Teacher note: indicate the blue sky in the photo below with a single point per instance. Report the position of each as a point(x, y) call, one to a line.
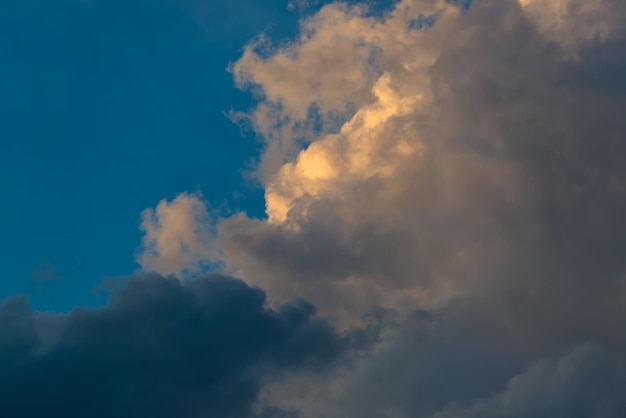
point(108, 107)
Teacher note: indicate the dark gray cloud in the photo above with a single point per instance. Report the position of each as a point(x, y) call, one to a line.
point(584, 383)
point(159, 349)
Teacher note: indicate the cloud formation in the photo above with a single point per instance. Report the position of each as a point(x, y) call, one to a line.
point(448, 176)
point(464, 157)
point(464, 163)
point(159, 349)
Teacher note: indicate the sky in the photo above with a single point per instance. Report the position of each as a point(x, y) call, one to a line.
point(108, 107)
point(313, 209)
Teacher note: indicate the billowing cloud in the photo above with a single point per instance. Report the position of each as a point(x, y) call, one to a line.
point(159, 349)
point(464, 164)
point(473, 151)
point(310, 86)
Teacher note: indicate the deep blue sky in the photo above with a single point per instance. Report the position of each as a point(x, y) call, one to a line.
point(106, 107)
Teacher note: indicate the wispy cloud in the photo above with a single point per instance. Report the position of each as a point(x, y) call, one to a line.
point(46, 272)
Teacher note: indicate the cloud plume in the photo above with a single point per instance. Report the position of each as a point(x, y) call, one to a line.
point(462, 161)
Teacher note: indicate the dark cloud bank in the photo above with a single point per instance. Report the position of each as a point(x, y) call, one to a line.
point(526, 173)
point(160, 349)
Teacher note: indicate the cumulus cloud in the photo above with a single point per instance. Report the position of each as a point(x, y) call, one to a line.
point(312, 84)
point(177, 236)
point(390, 206)
point(159, 349)
point(446, 156)
point(454, 171)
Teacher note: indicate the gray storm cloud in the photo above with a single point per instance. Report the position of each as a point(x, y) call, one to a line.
point(460, 169)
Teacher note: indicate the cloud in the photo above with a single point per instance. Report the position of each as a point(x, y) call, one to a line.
point(466, 360)
point(571, 22)
point(584, 383)
point(304, 96)
point(459, 157)
point(462, 179)
point(438, 370)
point(445, 193)
point(160, 348)
point(45, 273)
point(177, 236)
point(387, 206)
